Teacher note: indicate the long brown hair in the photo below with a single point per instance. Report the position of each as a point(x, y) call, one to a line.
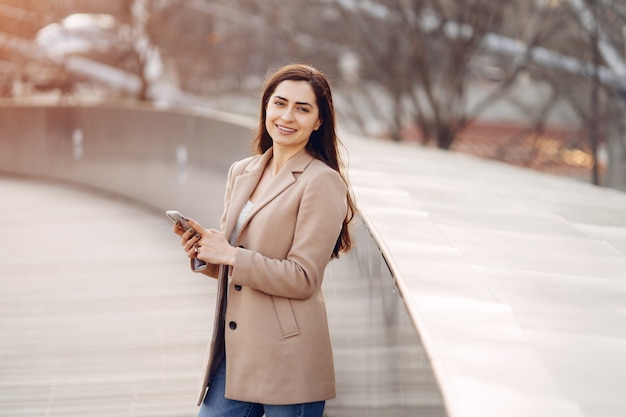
point(323, 143)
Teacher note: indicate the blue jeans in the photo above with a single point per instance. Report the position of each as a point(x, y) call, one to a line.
point(215, 405)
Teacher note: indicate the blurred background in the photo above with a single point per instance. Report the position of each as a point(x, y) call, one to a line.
point(535, 83)
point(519, 277)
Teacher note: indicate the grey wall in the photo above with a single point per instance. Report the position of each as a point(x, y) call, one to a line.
point(128, 151)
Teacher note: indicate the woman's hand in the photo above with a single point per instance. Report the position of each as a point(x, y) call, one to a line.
point(189, 238)
point(210, 246)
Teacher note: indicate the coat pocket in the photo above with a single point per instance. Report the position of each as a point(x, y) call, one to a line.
point(286, 318)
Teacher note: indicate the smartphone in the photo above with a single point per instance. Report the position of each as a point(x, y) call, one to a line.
point(175, 216)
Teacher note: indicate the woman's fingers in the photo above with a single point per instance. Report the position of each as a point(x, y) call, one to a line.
point(195, 225)
point(178, 229)
point(189, 238)
point(214, 248)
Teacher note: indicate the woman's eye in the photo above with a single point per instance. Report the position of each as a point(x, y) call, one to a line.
point(279, 103)
point(303, 109)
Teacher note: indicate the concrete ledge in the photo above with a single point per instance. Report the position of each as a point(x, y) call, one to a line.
point(159, 157)
point(515, 280)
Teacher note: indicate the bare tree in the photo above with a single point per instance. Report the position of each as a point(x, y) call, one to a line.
point(421, 53)
point(139, 48)
point(399, 62)
point(603, 22)
point(595, 35)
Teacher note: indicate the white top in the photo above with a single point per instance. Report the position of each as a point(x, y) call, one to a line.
point(242, 217)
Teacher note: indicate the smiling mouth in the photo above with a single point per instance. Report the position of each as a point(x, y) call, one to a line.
point(285, 129)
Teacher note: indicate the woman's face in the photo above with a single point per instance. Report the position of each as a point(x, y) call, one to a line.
point(292, 115)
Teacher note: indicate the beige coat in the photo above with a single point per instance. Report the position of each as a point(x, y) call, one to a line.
point(275, 329)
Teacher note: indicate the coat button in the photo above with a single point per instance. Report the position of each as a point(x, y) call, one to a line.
point(238, 287)
point(232, 325)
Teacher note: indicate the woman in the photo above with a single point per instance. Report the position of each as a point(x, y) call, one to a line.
point(286, 215)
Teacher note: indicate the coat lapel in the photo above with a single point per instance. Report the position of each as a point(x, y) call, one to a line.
point(243, 187)
point(285, 178)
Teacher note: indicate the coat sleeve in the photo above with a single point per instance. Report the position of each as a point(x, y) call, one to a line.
point(321, 213)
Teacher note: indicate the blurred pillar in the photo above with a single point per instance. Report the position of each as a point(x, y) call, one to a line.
point(616, 143)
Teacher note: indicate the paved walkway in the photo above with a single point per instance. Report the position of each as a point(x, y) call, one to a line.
point(99, 316)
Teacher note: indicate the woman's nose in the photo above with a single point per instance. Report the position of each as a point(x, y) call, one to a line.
point(287, 115)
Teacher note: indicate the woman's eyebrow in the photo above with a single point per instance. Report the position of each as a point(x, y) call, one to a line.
point(302, 103)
